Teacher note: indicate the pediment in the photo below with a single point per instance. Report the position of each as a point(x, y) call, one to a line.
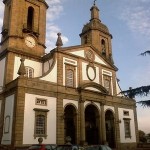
point(88, 53)
point(93, 87)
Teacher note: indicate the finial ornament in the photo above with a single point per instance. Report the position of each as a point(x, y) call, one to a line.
point(59, 40)
point(22, 70)
point(94, 2)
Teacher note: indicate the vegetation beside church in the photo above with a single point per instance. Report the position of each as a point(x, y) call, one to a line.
point(143, 91)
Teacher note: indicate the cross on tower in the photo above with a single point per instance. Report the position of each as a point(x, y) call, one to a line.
point(94, 2)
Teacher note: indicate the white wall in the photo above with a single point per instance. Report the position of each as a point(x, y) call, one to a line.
point(52, 76)
point(132, 123)
point(67, 101)
point(109, 107)
point(47, 65)
point(118, 89)
point(89, 102)
point(29, 119)
point(84, 73)
point(99, 60)
point(9, 110)
point(2, 72)
point(78, 53)
point(33, 64)
point(0, 106)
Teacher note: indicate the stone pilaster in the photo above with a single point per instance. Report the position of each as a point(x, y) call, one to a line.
point(82, 121)
point(103, 128)
point(117, 129)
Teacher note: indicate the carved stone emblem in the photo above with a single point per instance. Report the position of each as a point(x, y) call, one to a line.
point(89, 55)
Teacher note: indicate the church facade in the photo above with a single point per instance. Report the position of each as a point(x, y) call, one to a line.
point(71, 91)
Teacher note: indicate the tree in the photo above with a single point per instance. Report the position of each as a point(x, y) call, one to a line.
point(146, 52)
point(142, 137)
point(139, 91)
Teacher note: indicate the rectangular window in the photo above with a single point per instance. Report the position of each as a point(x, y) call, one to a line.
point(126, 113)
point(127, 128)
point(40, 122)
point(70, 76)
point(107, 83)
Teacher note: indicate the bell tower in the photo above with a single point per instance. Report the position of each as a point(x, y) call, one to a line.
point(24, 27)
point(97, 34)
point(23, 33)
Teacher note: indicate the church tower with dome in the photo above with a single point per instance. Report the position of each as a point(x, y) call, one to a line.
point(71, 91)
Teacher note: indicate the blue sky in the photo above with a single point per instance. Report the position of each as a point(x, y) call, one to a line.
point(129, 23)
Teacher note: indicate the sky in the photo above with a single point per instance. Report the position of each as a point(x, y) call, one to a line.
point(128, 22)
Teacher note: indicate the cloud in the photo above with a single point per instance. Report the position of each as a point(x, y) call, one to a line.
point(51, 37)
point(1, 14)
point(53, 13)
point(137, 17)
point(143, 118)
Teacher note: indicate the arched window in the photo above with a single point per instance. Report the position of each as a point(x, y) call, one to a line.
point(29, 72)
point(103, 46)
point(7, 124)
point(30, 18)
point(69, 77)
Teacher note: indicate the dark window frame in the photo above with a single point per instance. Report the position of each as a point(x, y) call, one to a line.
point(38, 125)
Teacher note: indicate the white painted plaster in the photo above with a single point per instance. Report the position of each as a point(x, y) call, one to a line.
point(118, 89)
point(91, 102)
point(132, 127)
point(99, 60)
point(92, 89)
point(9, 110)
point(52, 76)
point(29, 118)
point(108, 107)
point(91, 73)
point(67, 101)
point(108, 73)
point(71, 62)
point(78, 53)
point(2, 72)
point(0, 107)
point(47, 65)
point(33, 64)
point(84, 73)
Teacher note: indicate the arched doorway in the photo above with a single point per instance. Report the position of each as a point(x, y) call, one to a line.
point(70, 120)
point(92, 125)
point(110, 128)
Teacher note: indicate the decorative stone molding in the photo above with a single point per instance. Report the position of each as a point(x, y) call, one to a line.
point(91, 72)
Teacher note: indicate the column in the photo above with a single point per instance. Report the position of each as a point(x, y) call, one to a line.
point(82, 122)
point(103, 128)
point(117, 128)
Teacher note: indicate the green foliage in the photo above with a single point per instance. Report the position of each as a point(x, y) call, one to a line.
point(146, 52)
point(139, 91)
point(142, 137)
